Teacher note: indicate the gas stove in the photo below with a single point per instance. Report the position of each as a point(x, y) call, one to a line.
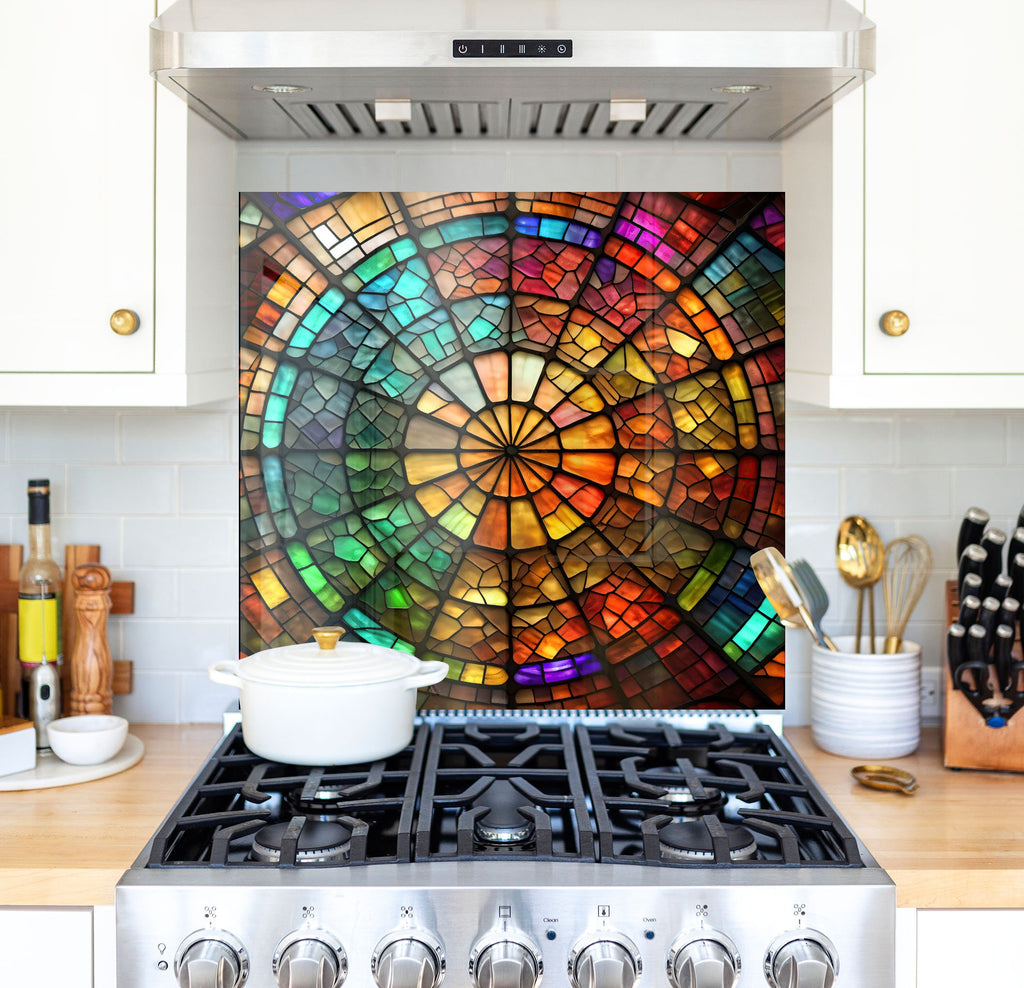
point(497, 851)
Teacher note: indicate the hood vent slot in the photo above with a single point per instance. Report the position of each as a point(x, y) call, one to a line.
point(574, 119)
point(582, 119)
point(354, 119)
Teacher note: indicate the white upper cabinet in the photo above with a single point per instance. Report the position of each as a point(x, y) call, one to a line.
point(96, 221)
point(904, 199)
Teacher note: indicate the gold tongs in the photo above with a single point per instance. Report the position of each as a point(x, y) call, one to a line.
point(885, 777)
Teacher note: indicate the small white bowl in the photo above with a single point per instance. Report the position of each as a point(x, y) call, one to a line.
point(87, 739)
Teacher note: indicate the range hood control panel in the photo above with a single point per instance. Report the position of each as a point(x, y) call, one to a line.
point(512, 48)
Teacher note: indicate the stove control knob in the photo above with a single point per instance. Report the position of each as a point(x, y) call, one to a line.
point(310, 959)
point(408, 959)
point(707, 960)
point(211, 959)
point(505, 960)
point(801, 959)
point(606, 960)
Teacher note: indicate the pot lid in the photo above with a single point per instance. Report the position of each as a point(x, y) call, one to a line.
point(328, 662)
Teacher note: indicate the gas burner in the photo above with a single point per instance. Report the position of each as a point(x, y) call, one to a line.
point(326, 803)
point(502, 824)
point(318, 843)
point(691, 841)
point(682, 801)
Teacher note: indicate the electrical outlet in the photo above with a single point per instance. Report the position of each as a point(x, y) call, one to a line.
point(931, 694)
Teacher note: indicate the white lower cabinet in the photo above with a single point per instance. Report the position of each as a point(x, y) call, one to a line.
point(969, 947)
point(48, 946)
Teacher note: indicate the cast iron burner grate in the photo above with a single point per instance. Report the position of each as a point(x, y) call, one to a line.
point(505, 790)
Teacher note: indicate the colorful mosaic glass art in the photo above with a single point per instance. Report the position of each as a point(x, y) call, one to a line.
point(535, 435)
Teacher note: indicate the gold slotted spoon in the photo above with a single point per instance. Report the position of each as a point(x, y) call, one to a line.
point(860, 559)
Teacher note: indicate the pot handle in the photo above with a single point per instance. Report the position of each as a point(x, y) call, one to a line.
point(429, 673)
point(224, 673)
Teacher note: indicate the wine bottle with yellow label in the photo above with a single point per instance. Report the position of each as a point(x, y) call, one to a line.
point(39, 590)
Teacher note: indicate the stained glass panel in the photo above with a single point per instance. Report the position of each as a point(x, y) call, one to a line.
point(535, 435)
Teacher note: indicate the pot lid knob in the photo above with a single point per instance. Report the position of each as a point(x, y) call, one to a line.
point(327, 638)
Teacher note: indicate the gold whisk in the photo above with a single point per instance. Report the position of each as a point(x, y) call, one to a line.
point(908, 564)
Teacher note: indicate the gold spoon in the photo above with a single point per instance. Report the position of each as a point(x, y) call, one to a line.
point(860, 559)
point(775, 577)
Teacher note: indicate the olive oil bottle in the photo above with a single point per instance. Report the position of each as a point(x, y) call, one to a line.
point(39, 593)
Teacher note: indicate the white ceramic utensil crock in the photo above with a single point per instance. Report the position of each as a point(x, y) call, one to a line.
point(327, 702)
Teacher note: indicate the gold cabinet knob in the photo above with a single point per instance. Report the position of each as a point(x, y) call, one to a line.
point(124, 322)
point(895, 323)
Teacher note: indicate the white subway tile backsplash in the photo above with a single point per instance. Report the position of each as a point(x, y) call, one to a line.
point(999, 490)
point(209, 490)
point(850, 439)
point(101, 530)
point(211, 593)
point(119, 489)
point(176, 437)
point(897, 493)
point(14, 478)
point(69, 437)
point(156, 592)
point(811, 492)
point(179, 542)
point(179, 645)
point(961, 439)
point(203, 701)
point(155, 698)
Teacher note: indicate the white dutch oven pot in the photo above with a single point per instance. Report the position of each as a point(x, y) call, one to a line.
point(325, 702)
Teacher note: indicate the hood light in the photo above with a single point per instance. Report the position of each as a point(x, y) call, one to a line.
point(741, 89)
point(279, 90)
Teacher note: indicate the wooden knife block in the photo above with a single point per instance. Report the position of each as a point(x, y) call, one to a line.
point(122, 596)
point(967, 741)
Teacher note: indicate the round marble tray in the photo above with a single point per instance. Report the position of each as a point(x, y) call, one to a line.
point(50, 771)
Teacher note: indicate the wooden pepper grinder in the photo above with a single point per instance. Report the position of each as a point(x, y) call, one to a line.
point(92, 670)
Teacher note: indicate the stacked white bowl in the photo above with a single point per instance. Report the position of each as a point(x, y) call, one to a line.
point(866, 705)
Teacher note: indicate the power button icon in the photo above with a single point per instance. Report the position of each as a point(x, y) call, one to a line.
point(463, 49)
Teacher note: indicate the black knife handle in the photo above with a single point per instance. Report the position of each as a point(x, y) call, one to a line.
point(1001, 657)
point(977, 662)
point(1001, 586)
point(1009, 612)
point(971, 587)
point(955, 651)
point(1015, 545)
point(970, 608)
point(1016, 570)
point(972, 560)
point(988, 618)
point(973, 524)
point(993, 542)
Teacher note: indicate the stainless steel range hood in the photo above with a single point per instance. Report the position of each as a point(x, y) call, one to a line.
point(405, 69)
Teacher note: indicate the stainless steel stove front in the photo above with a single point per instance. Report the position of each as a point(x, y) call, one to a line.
point(486, 925)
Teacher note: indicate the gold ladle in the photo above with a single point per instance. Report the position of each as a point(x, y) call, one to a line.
point(776, 579)
point(860, 559)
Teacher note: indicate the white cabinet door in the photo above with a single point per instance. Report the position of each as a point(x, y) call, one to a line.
point(99, 216)
point(903, 198)
point(44, 946)
point(969, 947)
point(77, 240)
point(943, 218)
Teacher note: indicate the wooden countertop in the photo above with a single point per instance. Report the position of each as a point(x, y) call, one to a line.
point(957, 843)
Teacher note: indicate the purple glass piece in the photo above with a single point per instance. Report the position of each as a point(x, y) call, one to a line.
point(287, 204)
point(605, 269)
